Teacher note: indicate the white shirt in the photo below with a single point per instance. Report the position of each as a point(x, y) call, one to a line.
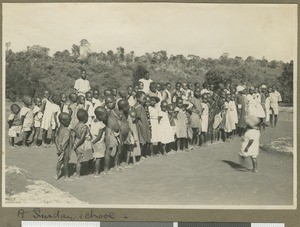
point(82, 86)
point(146, 84)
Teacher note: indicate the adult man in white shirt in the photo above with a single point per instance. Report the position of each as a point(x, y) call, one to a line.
point(146, 81)
point(275, 97)
point(82, 85)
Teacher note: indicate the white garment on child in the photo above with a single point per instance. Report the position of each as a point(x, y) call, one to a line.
point(204, 117)
point(55, 110)
point(166, 131)
point(99, 147)
point(253, 151)
point(82, 86)
point(28, 118)
point(154, 113)
point(38, 116)
point(46, 122)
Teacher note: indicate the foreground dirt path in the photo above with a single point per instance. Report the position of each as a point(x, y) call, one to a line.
point(204, 176)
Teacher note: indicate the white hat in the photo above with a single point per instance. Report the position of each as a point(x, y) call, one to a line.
point(263, 86)
point(240, 88)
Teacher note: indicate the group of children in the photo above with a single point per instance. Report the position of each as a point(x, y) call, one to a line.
point(132, 124)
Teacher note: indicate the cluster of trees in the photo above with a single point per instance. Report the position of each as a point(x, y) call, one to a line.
point(34, 70)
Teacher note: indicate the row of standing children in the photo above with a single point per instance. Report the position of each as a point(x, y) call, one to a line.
point(157, 123)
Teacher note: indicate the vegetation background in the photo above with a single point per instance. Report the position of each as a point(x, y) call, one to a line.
point(32, 71)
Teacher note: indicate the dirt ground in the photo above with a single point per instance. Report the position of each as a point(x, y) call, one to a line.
point(210, 175)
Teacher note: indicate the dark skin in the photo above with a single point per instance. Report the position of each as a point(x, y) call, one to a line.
point(65, 120)
point(16, 110)
point(101, 115)
point(81, 140)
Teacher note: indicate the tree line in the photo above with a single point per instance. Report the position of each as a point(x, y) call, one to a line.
point(32, 71)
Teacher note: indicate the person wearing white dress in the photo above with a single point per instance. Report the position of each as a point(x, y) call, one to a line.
point(146, 81)
point(259, 112)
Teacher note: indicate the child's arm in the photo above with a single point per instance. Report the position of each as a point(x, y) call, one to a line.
point(55, 119)
point(100, 134)
point(57, 145)
point(248, 145)
point(82, 139)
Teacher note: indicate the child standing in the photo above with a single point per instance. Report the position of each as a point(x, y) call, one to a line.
point(82, 141)
point(63, 145)
point(194, 122)
point(98, 128)
point(154, 113)
point(135, 148)
point(38, 116)
point(26, 116)
point(165, 129)
point(142, 124)
point(14, 124)
point(46, 109)
point(250, 144)
point(181, 122)
point(204, 120)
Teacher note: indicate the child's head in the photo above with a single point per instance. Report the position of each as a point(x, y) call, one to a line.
point(110, 102)
point(37, 102)
point(252, 121)
point(88, 96)
point(158, 87)
point(64, 119)
point(123, 105)
point(73, 97)
point(232, 97)
point(55, 99)
point(140, 97)
point(179, 102)
point(164, 105)
point(81, 100)
point(46, 94)
point(190, 86)
point(196, 85)
point(178, 86)
point(184, 86)
point(63, 97)
point(114, 92)
point(197, 92)
point(136, 88)
point(107, 92)
point(123, 93)
point(228, 98)
point(171, 108)
point(147, 101)
point(27, 100)
point(15, 108)
point(212, 87)
point(168, 86)
point(141, 85)
point(83, 74)
point(96, 94)
point(101, 113)
point(82, 115)
point(153, 100)
point(152, 87)
point(130, 90)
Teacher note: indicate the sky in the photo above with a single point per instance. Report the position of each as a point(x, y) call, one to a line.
point(206, 30)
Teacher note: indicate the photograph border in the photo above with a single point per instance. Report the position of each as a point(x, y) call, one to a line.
point(178, 213)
